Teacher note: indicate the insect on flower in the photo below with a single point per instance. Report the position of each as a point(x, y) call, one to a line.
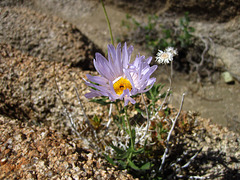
point(120, 79)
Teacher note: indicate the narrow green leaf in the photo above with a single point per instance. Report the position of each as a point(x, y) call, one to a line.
point(146, 166)
point(132, 165)
point(137, 107)
point(133, 135)
point(148, 94)
point(102, 101)
point(138, 151)
point(125, 155)
point(117, 149)
point(122, 164)
point(110, 160)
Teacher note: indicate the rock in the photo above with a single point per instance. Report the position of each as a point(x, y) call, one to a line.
point(227, 77)
point(32, 148)
point(224, 41)
point(29, 93)
point(46, 37)
point(230, 58)
point(48, 157)
point(204, 9)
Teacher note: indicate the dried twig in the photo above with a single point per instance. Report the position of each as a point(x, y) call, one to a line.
point(65, 108)
point(191, 159)
point(109, 119)
point(85, 116)
point(159, 109)
point(73, 126)
point(204, 51)
point(189, 162)
point(169, 134)
point(109, 115)
point(192, 177)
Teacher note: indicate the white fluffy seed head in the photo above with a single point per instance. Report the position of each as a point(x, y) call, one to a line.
point(165, 57)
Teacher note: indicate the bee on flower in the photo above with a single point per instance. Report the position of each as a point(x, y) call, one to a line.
point(165, 57)
point(120, 79)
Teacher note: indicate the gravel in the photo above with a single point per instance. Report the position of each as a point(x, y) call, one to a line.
point(39, 152)
point(36, 141)
point(46, 37)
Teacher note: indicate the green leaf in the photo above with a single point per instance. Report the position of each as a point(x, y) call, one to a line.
point(96, 119)
point(133, 135)
point(167, 111)
point(121, 154)
point(125, 155)
point(102, 101)
point(110, 160)
point(148, 94)
point(191, 29)
point(135, 22)
point(137, 107)
point(117, 149)
point(133, 166)
point(122, 164)
point(146, 166)
point(128, 16)
point(138, 151)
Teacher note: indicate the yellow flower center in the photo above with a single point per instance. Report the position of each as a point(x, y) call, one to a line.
point(122, 84)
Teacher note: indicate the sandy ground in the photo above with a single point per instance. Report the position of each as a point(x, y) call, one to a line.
point(219, 101)
point(36, 126)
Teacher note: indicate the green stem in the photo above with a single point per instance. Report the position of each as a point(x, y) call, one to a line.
point(129, 128)
point(171, 74)
point(108, 22)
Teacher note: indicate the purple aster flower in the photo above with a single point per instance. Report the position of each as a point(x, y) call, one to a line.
point(119, 78)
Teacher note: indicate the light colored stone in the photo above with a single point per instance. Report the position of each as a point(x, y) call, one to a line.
point(227, 77)
point(230, 58)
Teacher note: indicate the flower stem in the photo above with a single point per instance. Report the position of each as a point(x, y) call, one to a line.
point(148, 121)
point(108, 22)
point(129, 128)
point(171, 74)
